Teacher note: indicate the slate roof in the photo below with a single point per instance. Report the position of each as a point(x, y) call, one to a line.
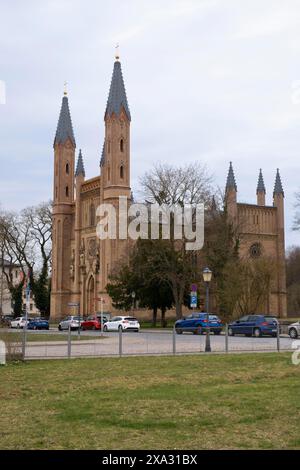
point(260, 185)
point(278, 185)
point(80, 166)
point(117, 93)
point(230, 183)
point(64, 127)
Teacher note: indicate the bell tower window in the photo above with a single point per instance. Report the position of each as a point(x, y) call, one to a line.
point(122, 145)
point(67, 191)
point(67, 168)
point(121, 172)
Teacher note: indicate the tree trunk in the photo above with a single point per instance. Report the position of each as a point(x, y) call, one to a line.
point(163, 318)
point(154, 317)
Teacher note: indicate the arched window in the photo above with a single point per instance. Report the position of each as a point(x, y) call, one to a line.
point(121, 172)
point(67, 191)
point(92, 215)
point(108, 173)
point(67, 168)
point(122, 145)
point(108, 146)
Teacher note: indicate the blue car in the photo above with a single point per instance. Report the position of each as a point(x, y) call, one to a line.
point(196, 323)
point(38, 324)
point(254, 325)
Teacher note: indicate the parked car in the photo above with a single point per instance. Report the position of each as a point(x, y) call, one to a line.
point(294, 330)
point(91, 323)
point(18, 322)
point(254, 325)
point(6, 319)
point(38, 324)
point(197, 323)
point(70, 321)
point(122, 324)
point(105, 315)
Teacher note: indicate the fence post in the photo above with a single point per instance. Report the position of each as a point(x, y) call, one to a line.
point(69, 342)
point(278, 337)
point(226, 337)
point(120, 342)
point(174, 340)
point(24, 343)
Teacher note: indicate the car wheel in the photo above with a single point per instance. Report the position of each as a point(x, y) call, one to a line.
point(217, 332)
point(120, 328)
point(248, 335)
point(105, 328)
point(257, 332)
point(178, 331)
point(230, 332)
point(94, 328)
point(198, 331)
point(293, 333)
point(59, 327)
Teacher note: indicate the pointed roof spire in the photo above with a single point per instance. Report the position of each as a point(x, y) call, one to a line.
point(230, 183)
point(278, 185)
point(117, 93)
point(64, 129)
point(102, 159)
point(260, 185)
point(80, 166)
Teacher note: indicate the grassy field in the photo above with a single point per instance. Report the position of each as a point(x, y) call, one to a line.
point(191, 402)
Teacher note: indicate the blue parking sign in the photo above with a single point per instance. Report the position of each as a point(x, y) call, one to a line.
point(193, 303)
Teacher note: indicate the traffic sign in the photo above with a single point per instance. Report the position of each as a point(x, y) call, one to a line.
point(193, 300)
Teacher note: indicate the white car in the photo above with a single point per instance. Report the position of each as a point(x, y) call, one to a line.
point(72, 322)
point(294, 330)
point(19, 322)
point(122, 324)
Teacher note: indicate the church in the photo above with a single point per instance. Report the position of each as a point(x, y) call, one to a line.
point(81, 263)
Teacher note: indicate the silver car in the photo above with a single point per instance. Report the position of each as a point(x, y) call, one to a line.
point(294, 330)
point(69, 322)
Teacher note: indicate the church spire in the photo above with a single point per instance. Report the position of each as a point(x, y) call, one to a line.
point(261, 190)
point(64, 129)
point(230, 183)
point(278, 190)
point(80, 166)
point(117, 93)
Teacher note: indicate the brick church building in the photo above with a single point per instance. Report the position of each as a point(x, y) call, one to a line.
point(81, 262)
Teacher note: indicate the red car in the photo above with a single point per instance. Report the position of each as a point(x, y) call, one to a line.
point(91, 323)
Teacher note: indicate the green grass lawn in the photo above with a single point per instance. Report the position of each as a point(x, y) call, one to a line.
point(186, 402)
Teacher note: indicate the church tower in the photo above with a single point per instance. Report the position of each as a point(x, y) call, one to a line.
point(231, 195)
point(115, 160)
point(63, 207)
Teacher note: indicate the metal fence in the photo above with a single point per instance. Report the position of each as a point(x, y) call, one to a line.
point(146, 342)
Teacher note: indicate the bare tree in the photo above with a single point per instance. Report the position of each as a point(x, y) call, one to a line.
point(296, 225)
point(166, 184)
point(26, 242)
point(172, 186)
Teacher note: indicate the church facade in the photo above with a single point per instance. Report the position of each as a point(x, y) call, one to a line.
point(81, 263)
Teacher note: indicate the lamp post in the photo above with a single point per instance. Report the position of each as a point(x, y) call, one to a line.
point(133, 298)
point(207, 274)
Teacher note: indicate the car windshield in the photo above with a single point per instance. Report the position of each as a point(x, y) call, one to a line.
point(130, 319)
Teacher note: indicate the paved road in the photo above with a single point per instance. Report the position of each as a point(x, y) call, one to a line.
point(149, 342)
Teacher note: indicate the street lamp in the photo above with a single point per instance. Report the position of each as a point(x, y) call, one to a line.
point(133, 294)
point(207, 274)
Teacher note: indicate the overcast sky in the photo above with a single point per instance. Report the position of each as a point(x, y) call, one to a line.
point(206, 80)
